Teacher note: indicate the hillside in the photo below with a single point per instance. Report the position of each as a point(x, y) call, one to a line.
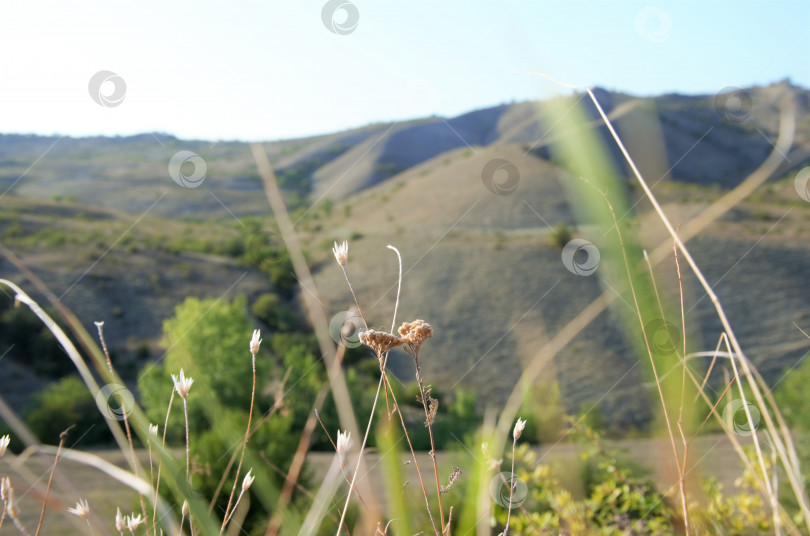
point(102, 222)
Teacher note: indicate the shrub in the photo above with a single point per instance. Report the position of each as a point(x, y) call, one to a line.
point(66, 403)
point(269, 309)
point(560, 235)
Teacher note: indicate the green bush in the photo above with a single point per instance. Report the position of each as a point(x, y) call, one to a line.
point(560, 235)
point(269, 309)
point(66, 403)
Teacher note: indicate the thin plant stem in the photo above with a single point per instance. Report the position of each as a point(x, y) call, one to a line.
point(244, 446)
point(62, 439)
point(264, 419)
point(399, 287)
point(342, 464)
point(357, 303)
point(626, 261)
point(233, 510)
point(100, 327)
point(429, 423)
point(160, 465)
point(413, 453)
point(511, 488)
point(360, 454)
point(188, 450)
point(718, 308)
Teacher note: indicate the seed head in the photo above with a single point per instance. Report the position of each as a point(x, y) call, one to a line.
point(5, 486)
point(344, 443)
point(341, 252)
point(255, 342)
point(133, 521)
point(248, 480)
point(182, 384)
point(185, 508)
point(519, 426)
point(120, 525)
point(153, 429)
point(11, 505)
point(4, 441)
point(416, 332)
point(379, 341)
point(82, 509)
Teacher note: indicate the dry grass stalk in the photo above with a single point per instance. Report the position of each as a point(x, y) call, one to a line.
point(414, 334)
point(255, 343)
point(100, 327)
point(62, 439)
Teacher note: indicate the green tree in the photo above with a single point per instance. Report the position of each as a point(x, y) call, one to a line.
point(209, 340)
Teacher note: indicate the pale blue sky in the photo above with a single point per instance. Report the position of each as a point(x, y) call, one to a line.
point(268, 70)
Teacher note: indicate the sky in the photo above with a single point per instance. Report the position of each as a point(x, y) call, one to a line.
point(246, 70)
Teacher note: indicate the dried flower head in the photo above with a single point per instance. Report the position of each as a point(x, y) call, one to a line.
point(453, 477)
point(11, 505)
point(519, 426)
point(4, 441)
point(341, 252)
point(415, 333)
point(82, 509)
point(120, 525)
point(255, 342)
point(182, 384)
point(379, 341)
point(248, 480)
point(133, 522)
point(5, 485)
point(344, 443)
point(153, 429)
